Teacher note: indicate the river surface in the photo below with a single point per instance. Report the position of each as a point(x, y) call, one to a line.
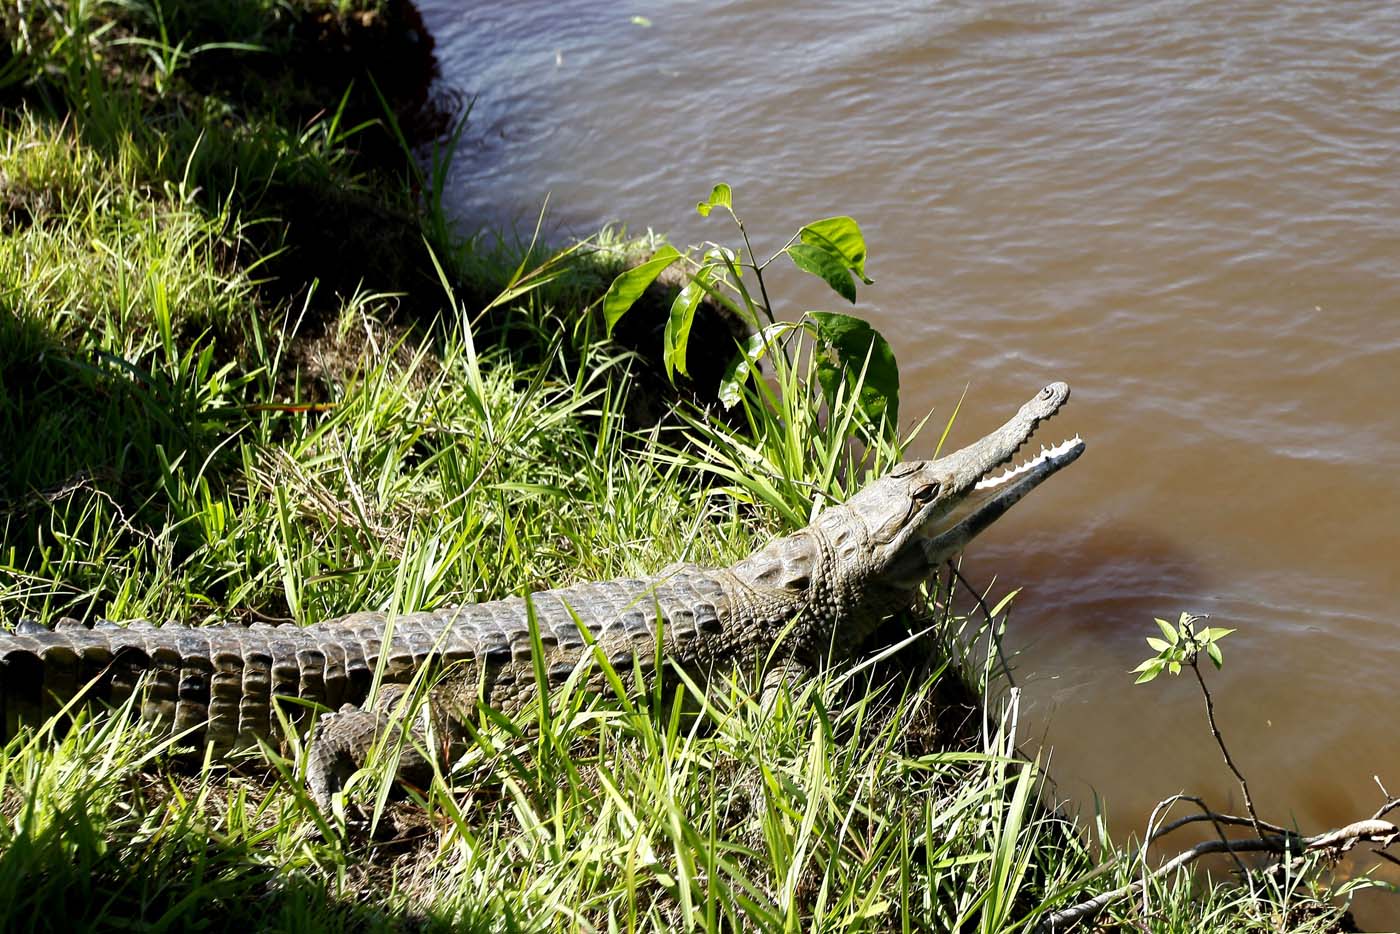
point(1188, 210)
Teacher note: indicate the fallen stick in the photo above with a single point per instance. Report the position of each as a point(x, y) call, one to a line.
point(1372, 830)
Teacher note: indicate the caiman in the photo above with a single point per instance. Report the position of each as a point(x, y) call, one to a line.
point(800, 601)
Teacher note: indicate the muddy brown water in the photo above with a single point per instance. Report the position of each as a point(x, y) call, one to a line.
point(1188, 210)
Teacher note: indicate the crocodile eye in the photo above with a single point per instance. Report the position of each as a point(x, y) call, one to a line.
point(925, 494)
point(1047, 392)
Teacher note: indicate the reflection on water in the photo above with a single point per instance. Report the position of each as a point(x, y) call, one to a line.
point(1188, 210)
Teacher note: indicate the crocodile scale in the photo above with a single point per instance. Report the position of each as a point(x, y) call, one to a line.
point(802, 599)
point(219, 681)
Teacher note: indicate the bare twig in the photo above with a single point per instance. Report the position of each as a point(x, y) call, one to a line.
point(1230, 819)
point(1216, 820)
point(1220, 741)
point(757, 269)
point(986, 612)
point(1334, 842)
point(1391, 801)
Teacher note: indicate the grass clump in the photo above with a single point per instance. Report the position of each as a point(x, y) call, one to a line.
point(238, 384)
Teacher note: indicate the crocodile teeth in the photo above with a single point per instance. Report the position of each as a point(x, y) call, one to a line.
point(1046, 454)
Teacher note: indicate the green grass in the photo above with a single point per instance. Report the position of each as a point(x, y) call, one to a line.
point(203, 418)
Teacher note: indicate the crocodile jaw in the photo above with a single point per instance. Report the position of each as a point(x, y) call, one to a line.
point(990, 499)
point(866, 557)
point(924, 512)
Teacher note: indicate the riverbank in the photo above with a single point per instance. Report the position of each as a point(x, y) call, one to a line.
point(250, 372)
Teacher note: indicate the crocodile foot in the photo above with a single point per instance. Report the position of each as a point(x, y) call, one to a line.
point(342, 746)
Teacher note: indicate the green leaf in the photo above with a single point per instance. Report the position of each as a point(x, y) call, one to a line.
point(1168, 630)
point(1175, 667)
point(1213, 651)
point(854, 342)
point(731, 387)
point(825, 265)
point(841, 236)
point(1214, 634)
point(1149, 663)
point(718, 256)
point(629, 286)
point(720, 197)
point(677, 334)
point(1158, 645)
point(1149, 674)
point(1004, 602)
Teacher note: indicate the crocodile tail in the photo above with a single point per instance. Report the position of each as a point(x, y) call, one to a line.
point(217, 683)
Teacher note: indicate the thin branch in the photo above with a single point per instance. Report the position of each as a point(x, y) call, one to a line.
point(757, 270)
point(1386, 808)
point(991, 623)
point(1216, 820)
point(1220, 741)
point(1337, 841)
point(769, 261)
point(1207, 815)
point(1230, 819)
point(1391, 802)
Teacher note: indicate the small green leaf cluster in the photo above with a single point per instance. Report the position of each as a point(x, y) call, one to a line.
point(1182, 645)
point(853, 354)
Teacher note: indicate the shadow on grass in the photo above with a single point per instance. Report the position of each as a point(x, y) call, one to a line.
point(296, 114)
point(74, 874)
point(89, 443)
point(304, 140)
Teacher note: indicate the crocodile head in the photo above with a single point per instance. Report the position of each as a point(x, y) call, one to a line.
point(867, 556)
point(896, 531)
